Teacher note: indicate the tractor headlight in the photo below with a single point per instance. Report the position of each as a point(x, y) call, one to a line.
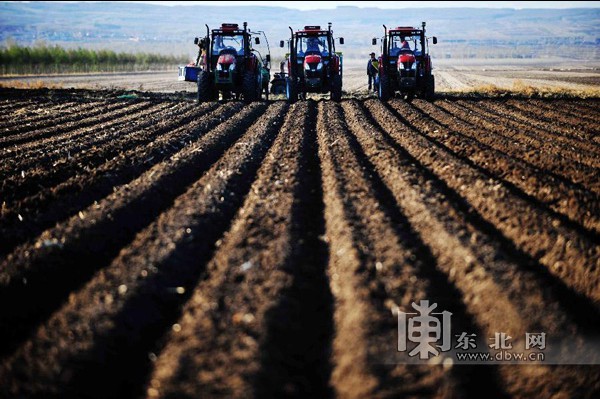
point(230, 69)
point(307, 66)
point(400, 65)
point(413, 66)
point(319, 66)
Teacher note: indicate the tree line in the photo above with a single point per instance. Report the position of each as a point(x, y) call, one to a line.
point(15, 59)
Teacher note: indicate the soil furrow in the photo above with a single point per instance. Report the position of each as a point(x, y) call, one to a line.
point(67, 143)
point(29, 217)
point(379, 265)
point(495, 286)
point(79, 158)
point(570, 112)
point(163, 248)
point(521, 142)
point(565, 252)
point(519, 119)
point(588, 109)
point(60, 150)
point(35, 115)
point(553, 192)
point(262, 276)
point(573, 145)
point(10, 107)
point(555, 120)
point(38, 275)
point(26, 135)
point(159, 269)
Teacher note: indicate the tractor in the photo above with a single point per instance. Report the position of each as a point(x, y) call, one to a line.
point(227, 63)
point(405, 64)
point(313, 64)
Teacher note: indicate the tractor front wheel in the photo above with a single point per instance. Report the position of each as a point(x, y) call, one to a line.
point(336, 88)
point(249, 89)
point(204, 87)
point(291, 91)
point(384, 88)
point(430, 88)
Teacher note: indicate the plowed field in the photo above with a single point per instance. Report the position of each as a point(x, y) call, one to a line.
point(154, 247)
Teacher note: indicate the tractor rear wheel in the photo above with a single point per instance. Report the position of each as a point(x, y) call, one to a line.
point(204, 87)
point(249, 89)
point(336, 88)
point(430, 88)
point(384, 88)
point(259, 87)
point(291, 91)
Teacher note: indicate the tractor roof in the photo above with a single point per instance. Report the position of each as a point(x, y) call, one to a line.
point(405, 31)
point(312, 30)
point(229, 29)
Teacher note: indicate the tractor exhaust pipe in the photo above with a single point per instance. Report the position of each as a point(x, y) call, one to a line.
point(329, 26)
point(208, 47)
point(292, 67)
point(385, 29)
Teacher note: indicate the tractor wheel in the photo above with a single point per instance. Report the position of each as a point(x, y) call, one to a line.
point(259, 87)
point(336, 88)
point(266, 90)
point(430, 88)
point(205, 92)
point(291, 91)
point(249, 87)
point(384, 88)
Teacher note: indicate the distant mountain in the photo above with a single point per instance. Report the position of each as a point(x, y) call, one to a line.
point(462, 32)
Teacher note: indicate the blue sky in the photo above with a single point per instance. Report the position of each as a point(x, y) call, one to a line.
point(311, 5)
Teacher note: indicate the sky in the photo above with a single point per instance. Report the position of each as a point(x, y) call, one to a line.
point(312, 5)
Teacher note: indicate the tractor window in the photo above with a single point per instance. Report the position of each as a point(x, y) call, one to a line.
point(312, 44)
point(235, 43)
point(401, 43)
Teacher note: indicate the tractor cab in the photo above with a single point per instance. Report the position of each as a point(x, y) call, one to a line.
point(313, 41)
point(229, 44)
point(313, 50)
point(403, 40)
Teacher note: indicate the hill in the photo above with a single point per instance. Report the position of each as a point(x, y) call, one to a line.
point(463, 32)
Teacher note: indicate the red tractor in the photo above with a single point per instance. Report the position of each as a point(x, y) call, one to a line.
point(313, 64)
point(227, 63)
point(405, 64)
